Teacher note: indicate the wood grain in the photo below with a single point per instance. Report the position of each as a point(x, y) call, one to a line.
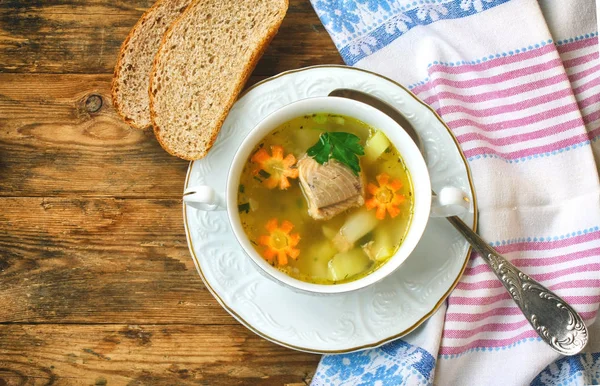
point(97, 284)
point(68, 36)
point(53, 144)
point(99, 261)
point(146, 355)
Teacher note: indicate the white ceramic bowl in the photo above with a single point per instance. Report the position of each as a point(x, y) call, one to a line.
point(371, 116)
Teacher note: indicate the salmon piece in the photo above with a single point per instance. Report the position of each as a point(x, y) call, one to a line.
point(330, 189)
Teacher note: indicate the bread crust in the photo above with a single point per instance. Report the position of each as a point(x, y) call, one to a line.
point(238, 88)
point(118, 66)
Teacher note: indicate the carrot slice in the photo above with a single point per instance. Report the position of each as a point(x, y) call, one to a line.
point(279, 242)
point(274, 168)
point(385, 198)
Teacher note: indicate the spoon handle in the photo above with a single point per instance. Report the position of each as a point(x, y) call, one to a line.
point(556, 322)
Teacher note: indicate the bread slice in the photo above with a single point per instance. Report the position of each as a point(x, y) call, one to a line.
point(132, 72)
point(201, 66)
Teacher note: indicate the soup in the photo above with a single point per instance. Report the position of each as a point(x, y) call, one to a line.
point(325, 198)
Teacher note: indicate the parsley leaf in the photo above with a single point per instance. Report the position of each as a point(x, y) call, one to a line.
point(343, 147)
point(244, 207)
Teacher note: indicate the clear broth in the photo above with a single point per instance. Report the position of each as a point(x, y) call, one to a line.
point(259, 204)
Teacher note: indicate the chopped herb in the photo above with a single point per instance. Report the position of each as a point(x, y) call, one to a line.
point(410, 193)
point(258, 179)
point(244, 207)
point(345, 277)
point(241, 188)
point(343, 147)
point(388, 150)
point(264, 174)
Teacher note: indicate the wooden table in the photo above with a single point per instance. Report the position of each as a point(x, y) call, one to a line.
point(97, 285)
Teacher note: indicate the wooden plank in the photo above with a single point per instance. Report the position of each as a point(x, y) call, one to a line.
point(99, 261)
point(146, 355)
point(54, 143)
point(69, 36)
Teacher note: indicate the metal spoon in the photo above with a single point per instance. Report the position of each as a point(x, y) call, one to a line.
point(555, 321)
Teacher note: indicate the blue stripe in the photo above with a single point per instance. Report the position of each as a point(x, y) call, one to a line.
point(577, 369)
point(345, 20)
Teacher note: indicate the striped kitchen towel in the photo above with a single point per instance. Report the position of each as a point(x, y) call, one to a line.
point(518, 82)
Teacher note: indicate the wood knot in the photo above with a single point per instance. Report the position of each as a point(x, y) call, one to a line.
point(93, 103)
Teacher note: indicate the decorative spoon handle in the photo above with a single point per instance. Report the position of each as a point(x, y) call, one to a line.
point(556, 322)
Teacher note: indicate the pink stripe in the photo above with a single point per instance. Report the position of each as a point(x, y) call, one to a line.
point(491, 95)
point(580, 60)
point(554, 95)
point(473, 317)
point(589, 101)
point(546, 245)
point(500, 311)
point(591, 117)
point(479, 285)
point(546, 261)
point(494, 327)
point(445, 350)
point(548, 275)
point(520, 137)
point(587, 86)
point(539, 245)
point(493, 62)
point(491, 284)
point(487, 300)
point(530, 151)
point(421, 88)
point(491, 80)
point(577, 45)
point(475, 270)
point(594, 133)
point(584, 73)
point(490, 327)
point(519, 122)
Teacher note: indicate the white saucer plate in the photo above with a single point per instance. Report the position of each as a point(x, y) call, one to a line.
point(340, 323)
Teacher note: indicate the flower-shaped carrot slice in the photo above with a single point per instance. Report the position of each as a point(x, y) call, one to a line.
point(385, 197)
point(275, 169)
point(280, 242)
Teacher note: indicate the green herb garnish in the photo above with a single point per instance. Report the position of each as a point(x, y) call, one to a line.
point(244, 207)
point(264, 174)
point(343, 147)
point(241, 188)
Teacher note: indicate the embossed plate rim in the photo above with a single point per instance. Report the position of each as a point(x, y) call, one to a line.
point(365, 346)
